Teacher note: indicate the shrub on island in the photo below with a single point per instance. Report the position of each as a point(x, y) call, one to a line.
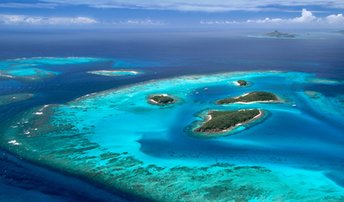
point(242, 83)
point(258, 96)
point(162, 99)
point(223, 121)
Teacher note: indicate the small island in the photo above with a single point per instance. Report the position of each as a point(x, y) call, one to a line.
point(277, 34)
point(252, 97)
point(161, 99)
point(241, 83)
point(225, 121)
point(114, 72)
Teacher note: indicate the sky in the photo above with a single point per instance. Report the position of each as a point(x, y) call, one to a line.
point(172, 13)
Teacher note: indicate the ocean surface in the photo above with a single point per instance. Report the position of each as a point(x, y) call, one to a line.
point(301, 138)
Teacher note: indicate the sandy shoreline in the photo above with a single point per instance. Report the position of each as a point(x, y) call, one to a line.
point(151, 101)
point(279, 100)
point(254, 102)
point(209, 117)
point(112, 72)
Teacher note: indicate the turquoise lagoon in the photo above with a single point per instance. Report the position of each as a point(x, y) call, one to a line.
point(117, 139)
point(35, 68)
point(27, 73)
point(38, 61)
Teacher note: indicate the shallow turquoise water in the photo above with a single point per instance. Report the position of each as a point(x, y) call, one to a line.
point(35, 68)
point(126, 113)
point(131, 63)
point(299, 142)
point(39, 61)
point(29, 73)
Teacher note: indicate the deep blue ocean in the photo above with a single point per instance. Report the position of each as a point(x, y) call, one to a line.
point(159, 54)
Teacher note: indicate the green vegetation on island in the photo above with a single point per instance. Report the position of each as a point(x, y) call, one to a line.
point(251, 97)
point(277, 34)
point(162, 99)
point(242, 83)
point(223, 121)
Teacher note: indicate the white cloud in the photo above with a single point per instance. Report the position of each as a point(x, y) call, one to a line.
point(266, 20)
point(139, 22)
point(27, 5)
point(38, 20)
point(218, 22)
point(335, 19)
point(306, 18)
point(204, 5)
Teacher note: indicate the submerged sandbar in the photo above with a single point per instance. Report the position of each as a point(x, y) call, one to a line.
point(27, 73)
point(12, 98)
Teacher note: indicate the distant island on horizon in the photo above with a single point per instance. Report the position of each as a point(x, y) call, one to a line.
point(278, 34)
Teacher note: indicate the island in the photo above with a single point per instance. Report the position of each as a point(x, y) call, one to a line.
point(277, 34)
point(114, 72)
point(241, 83)
point(253, 97)
point(161, 99)
point(225, 121)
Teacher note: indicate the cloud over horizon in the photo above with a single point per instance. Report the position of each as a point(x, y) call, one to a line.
point(307, 17)
point(39, 20)
point(139, 22)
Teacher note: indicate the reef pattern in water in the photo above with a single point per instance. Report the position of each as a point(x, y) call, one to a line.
point(118, 139)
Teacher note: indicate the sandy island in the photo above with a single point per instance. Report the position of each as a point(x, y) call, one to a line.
point(114, 72)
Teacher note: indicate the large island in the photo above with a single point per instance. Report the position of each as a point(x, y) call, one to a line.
point(224, 121)
point(253, 97)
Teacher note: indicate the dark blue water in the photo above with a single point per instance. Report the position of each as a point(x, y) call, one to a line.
point(167, 55)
